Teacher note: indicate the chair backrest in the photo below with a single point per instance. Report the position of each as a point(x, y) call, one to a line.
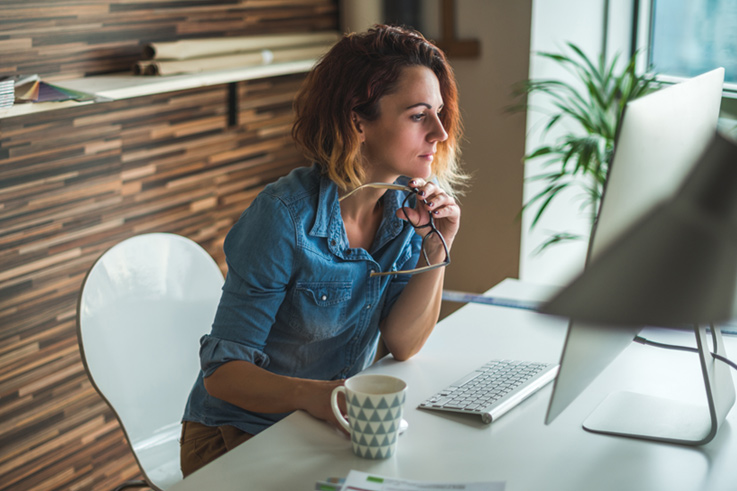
point(142, 309)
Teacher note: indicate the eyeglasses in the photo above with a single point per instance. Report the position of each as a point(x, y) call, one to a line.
point(429, 224)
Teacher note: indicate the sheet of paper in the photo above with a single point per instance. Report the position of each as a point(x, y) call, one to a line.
point(361, 481)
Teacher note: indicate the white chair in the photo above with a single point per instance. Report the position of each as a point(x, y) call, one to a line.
point(142, 309)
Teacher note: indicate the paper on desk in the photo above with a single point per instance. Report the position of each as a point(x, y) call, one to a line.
point(466, 297)
point(361, 481)
point(509, 293)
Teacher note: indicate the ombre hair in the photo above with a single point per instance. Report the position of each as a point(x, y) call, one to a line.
point(356, 72)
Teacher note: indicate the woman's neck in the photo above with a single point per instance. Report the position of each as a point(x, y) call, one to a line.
point(362, 214)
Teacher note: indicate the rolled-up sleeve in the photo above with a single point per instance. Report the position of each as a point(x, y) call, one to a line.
point(259, 250)
point(214, 352)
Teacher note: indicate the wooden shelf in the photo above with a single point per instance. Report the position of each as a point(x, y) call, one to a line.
point(125, 86)
point(30, 108)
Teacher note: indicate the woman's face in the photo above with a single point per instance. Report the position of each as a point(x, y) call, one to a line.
point(404, 138)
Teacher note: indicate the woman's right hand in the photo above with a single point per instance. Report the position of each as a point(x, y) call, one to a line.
point(317, 401)
point(267, 392)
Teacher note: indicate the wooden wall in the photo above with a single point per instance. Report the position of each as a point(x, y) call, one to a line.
point(63, 39)
point(73, 182)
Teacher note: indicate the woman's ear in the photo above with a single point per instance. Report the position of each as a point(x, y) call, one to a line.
point(357, 122)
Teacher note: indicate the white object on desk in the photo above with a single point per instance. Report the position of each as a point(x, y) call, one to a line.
point(374, 404)
point(508, 293)
point(493, 389)
point(364, 481)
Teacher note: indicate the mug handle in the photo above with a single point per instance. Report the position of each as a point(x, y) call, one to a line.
point(336, 410)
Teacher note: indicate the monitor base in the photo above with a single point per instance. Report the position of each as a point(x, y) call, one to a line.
point(654, 418)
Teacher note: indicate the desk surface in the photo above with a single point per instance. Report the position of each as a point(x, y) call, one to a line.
point(519, 448)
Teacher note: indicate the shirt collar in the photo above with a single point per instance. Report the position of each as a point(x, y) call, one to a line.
point(327, 208)
point(391, 225)
point(328, 222)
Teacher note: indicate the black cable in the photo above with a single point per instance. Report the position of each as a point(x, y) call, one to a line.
point(647, 342)
point(725, 360)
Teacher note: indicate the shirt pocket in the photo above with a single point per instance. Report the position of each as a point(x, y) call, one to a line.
point(319, 309)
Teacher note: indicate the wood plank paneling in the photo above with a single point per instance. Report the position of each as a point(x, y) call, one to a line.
point(74, 182)
point(62, 39)
point(101, 174)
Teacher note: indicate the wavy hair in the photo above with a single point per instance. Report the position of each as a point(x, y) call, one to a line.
point(356, 72)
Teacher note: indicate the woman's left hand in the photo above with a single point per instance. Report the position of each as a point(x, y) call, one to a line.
point(415, 313)
point(431, 199)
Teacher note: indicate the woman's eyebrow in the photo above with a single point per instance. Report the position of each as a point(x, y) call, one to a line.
point(423, 104)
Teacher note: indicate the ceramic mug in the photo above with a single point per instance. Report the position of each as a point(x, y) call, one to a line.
point(374, 404)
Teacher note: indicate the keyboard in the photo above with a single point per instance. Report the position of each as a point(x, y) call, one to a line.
point(493, 389)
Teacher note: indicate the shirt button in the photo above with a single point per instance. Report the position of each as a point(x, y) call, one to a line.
point(324, 297)
point(372, 271)
point(332, 242)
point(368, 306)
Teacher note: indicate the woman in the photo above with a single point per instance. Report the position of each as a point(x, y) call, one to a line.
point(320, 266)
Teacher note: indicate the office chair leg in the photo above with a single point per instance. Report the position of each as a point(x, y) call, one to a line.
point(134, 483)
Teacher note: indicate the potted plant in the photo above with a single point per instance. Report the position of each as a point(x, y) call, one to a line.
point(590, 109)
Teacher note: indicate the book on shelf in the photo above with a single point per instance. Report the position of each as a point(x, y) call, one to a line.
point(19, 89)
point(7, 93)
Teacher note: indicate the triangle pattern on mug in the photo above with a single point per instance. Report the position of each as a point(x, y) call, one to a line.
point(375, 424)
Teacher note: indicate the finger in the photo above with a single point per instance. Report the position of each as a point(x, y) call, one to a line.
point(423, 188)
point(428, 191)
point(334, 419)
point(438, 201)
point(417, 182)
point(342, 404)
point(415, 216)
point(450, 210)
point(421, 202)
point(443, 206)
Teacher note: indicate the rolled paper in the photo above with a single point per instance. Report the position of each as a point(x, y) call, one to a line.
point(263, 57)
point(200, 48)
point(142, 67)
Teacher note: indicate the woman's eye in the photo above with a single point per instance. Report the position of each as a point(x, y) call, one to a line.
point(418, 117)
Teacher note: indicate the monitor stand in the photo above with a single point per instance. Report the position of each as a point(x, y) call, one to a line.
point(654, 418)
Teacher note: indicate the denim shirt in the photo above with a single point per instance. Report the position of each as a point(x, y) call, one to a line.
point(297, 299)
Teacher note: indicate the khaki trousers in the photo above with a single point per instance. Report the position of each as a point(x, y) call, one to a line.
point(201, 444)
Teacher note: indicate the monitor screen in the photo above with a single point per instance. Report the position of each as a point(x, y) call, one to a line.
point(661, 136)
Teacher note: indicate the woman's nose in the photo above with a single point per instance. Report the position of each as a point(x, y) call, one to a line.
point(437, 133)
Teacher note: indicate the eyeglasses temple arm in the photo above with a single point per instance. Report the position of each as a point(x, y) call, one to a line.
point(378, 185)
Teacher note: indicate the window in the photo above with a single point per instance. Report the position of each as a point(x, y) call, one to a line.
point(690, 37)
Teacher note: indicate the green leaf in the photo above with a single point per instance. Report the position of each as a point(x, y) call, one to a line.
point(557, 239)
point(551, 192)
point(589, 109)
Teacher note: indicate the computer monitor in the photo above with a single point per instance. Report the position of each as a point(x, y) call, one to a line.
point(660, 138)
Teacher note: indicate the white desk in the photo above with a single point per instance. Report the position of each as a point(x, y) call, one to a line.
point(518, 448)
